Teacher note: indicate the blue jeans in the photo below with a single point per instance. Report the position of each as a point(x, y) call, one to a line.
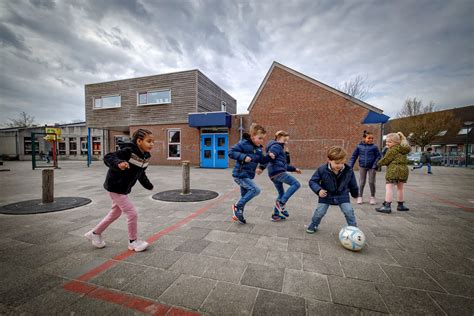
point(286, 178)
point(422, 164)
point(248, 190)
point(322, 208)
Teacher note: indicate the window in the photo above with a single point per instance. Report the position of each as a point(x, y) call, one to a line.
point(464, 131)
point(174, 144)
point(72, 146)
point(120, 139)
point(154, 97)
point(62, 148)
point(442, 133)
point(223, 106)
point(96, 146)
point(83, 145)
point(27, 146)
point(113, 101)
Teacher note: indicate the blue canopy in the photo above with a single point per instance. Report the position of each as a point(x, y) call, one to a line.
point(375, 118)
point(208, 119)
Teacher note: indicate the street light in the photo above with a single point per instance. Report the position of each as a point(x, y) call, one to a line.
point(468, 125)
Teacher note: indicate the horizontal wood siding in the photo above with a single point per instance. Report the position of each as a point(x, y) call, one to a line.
point(210, 96)
point(183, 101)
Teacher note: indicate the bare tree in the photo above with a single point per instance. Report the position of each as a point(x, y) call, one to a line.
point(356, 87)
point(23, 120)
point(421, 123)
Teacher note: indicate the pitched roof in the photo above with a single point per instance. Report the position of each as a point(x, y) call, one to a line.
point(313, 81)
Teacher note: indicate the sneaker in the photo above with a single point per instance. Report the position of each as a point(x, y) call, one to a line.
point(372, 200)
point(285, 213)
point(310, 230)
point(96, 240)
point(238, 215)
point(234, 212)
point(359, 200)
point(137, 245)
point(276, 218)
point(430, 172)
point(279, 206)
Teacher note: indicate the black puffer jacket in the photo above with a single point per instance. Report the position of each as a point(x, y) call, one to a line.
point(122, 181)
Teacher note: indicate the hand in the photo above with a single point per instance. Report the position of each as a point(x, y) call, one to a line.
point(272, 155)
point(258, 171)
point(298, 171)
point(123, 165)
point(322, 193)
point(247, 159)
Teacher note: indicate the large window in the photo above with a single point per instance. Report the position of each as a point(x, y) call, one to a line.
point(154, 97)
point(108, 102)
point(62, 148)
point(83, 145)
point(96, 146)
point(72, 146)
point(174, 144)
point(27, 147)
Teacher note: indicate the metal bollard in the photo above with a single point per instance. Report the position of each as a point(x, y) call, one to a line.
point(186, 180)
point(48, 185)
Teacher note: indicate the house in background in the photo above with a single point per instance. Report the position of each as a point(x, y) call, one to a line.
point(165, 105)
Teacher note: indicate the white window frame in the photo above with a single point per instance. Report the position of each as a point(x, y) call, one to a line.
point(106, 96)
point(168, 142)
point(151, 91)
point(223, 106)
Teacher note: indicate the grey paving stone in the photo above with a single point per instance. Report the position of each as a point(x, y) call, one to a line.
point(90, 306)
point(454, 305)
point(239, 228)
point(414, 259)
point(219, 249)
point(73, 265)
point(356, 293)
point(272, 243)
point(454, 283)
point(412, 278)
point(169, 242)
point(306, 284)
point(226, 270)
point(194, 233)
point(239, 300)
point(453, 263)
point(159, 258)
point(384, 242)
point(51, 302)
point(306, 246)
point(191, 264)
point(193, 246)
point(285, 259)
point(332, 249)
point(326, 308)
point(241, 239)
point(250, 254)
point(263, 277)
point(119, 275)
point(151, 283)
point(408, 302)
point(267, 229)
point(215, 225)
point(363, 271)
point(219, 236)
point(329, 265)
point(188, 291)
point(271, 303)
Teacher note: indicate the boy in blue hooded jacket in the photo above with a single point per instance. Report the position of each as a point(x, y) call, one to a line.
point(278, 172)
point(333, 182)
point(248, 154)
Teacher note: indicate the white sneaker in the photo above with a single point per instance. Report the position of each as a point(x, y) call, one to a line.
point(372, 200)
point(96, 240)
point(137, 245)
point(359, 200)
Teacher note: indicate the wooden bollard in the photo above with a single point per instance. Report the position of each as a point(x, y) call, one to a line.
point(48, 185)
point(186, 180)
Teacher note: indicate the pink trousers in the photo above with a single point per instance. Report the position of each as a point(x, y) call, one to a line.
point(120, 203)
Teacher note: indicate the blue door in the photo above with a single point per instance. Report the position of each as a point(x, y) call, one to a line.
point(214, 148)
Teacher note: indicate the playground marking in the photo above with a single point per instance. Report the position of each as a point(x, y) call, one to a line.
point(444, 201)
point(143, 305)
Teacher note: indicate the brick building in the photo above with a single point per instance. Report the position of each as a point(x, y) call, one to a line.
point(193, 119)
point(316, 115)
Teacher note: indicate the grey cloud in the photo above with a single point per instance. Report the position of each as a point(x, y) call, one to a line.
point(9, 38)
point(44, 4)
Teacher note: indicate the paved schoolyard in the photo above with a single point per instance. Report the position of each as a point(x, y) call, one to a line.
point(416, 262)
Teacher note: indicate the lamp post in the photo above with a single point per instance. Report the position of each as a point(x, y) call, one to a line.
point(468, 124)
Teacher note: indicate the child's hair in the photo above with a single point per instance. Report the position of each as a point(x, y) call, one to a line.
point(140, 134)
point(336, 153)
point(256, 129)
point(366, 133)
point(398, 138)
point(281, 134)
point(429, 149)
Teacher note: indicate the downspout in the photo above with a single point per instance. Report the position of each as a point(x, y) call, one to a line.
point(241, 128)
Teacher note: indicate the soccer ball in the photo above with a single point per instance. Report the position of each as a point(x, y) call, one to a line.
point(352, 238)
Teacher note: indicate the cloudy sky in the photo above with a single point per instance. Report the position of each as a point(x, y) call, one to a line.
point(409, 48)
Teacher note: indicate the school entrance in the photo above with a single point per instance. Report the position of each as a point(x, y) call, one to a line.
point(214, 149)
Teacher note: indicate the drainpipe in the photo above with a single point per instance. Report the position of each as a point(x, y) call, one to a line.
point(241, 128)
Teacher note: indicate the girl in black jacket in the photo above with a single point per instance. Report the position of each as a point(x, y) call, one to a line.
point(126, 166)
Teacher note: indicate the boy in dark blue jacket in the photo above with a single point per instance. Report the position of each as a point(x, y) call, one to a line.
point(333, 182)
point(248, 154)
point(277, 171)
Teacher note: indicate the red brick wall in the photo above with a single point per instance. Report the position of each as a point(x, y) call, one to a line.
point(315, 117)
point(190, 143)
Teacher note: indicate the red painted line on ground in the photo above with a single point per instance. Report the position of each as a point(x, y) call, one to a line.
point(129, 301)
point(444, 201)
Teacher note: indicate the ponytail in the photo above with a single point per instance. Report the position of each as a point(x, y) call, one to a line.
point(403, 139)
